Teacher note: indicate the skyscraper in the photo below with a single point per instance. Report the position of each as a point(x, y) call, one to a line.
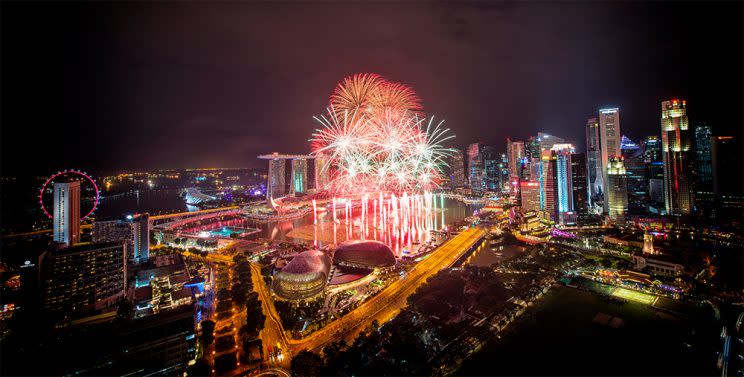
point(728, 183)
point(457, 168)
point(676, 152)
point(617, 188)
point(609, 141)
point(704, 170)
point(635, 167)
point(548, 190)
point(515, 154)
point(654, 173)
point(299, 176)
point(67, 213)
point(476, 167)
point(491, 168)
point(579, 184)
point(593, 161)
point(563, 182)
point(322, 172)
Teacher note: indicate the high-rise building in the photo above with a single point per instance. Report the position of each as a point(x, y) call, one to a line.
point(299, 176)
point(617, 189)
point(548, 189)
point(728, 184)
point(530, 196)
point(67, 212)
point(704, 197)
point(515, 153)
point(609, 141)
point(476, 167)
point(594, 161)
point(322, 172)
point(80, 279)
point(654, 173)
point(134, 231)
point(676, 152)
point(563, 182)
point(491, 167)
point(579, 185)
point(275, 187)
point(635, 166)
point(457, 169)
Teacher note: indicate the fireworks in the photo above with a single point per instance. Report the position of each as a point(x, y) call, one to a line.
point(375, 138)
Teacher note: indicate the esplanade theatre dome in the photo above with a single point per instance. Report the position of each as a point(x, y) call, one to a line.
point(368, 254)
point(304, 276)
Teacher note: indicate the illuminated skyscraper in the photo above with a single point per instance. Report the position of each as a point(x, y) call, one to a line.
point(579, 185)
point(322, 172)
point(67, 213)
point(635, 166)
point(676, 151)
point(563, 182)
point(593, 160)
point(548, 190)
point(654, 173)
point(617, 189)
point(704, 170)
point(457, 169)
point(299, 176)
point(275, 187)
point(476, 167)
point(515, 154)
point(609, 141)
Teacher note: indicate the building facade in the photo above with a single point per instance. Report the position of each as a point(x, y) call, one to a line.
point(676, 150)
point(704, 197)
point(476, 167)
point(579, 184)
point(66, 213)
point(593, 161)
point(635, 166)
point(609, 141)
point(134, 231)
point(83, 278)
point(530, 196)
point(617, 189)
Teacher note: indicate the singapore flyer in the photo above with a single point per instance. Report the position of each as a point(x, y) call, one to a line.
point(69, 175)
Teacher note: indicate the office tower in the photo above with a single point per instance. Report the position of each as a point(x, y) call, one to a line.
point(67, 213)
point(532, 148)
point(299, 176)
point(546, 141)
point(654, 173)
point(515, 153)
point(504, 173)
point(677, 155)
point(134, 231)
point(704, 171)
point(81, 279)
point(491, 167)
point(530, 196)
point(579, 185)
point(457, 169)
point(617, 189)
point(476, 167)
point(635, 166)
point(609, 141)
point(548, 190)
point(563, 182)
point(311, 181)
point(593, 161)
point(728, 186)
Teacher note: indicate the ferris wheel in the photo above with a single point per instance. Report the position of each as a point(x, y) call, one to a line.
point(70, 174)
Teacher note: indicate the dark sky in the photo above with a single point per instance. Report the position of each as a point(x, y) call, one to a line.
point(173, 85)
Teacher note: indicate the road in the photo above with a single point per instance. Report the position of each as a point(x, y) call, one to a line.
point(273, 331)
point(386, 304)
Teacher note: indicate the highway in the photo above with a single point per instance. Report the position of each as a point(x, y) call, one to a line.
point(273, 331)
point(386, 304)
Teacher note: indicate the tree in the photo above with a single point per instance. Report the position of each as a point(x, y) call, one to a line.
point(306, 364)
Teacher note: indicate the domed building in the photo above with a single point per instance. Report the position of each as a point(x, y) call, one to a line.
point(303, 277)
point(366, 254)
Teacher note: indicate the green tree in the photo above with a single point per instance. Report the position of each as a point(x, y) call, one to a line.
point(306, 364)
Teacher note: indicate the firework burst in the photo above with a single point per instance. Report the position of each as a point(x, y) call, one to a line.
point(375, 137)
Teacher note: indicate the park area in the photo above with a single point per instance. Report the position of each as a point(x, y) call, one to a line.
point(631, 295)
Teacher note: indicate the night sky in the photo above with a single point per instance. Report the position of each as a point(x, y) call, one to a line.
point(175, 85)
